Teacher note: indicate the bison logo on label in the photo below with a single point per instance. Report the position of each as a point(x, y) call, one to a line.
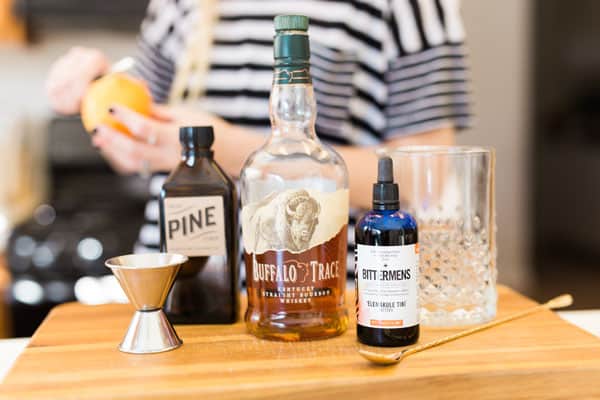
point(290, 221)
point(293, 220)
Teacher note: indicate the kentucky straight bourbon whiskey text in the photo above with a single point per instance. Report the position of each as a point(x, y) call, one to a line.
point(294, 209)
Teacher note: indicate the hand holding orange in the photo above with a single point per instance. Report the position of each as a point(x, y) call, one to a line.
point(114, 88)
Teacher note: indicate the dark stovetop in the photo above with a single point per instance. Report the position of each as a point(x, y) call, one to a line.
point(41, 15)
point(91, 214)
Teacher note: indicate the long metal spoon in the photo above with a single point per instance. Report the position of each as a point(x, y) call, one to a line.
point(561, 301)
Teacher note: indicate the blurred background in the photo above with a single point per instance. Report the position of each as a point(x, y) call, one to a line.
point(535, 73)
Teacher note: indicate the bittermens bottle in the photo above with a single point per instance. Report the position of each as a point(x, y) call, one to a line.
point(387, 268)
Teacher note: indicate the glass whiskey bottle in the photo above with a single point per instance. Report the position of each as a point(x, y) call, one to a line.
point(198, 217)
point(295, 207)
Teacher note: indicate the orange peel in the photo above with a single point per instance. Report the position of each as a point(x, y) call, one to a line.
point(114, 89)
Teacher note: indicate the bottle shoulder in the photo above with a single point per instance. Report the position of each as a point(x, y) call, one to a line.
point(206, 170)
point(291, 164)
point(277, 149)
point(387, 220)
point(204, 178)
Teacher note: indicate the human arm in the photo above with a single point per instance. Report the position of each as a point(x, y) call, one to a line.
point(234, 144)
point(156, 142)
point(362, 161)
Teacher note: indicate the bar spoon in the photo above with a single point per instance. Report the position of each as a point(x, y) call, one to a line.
point(561, 301)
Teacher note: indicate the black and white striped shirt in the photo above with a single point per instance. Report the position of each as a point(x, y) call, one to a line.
point(380, 68)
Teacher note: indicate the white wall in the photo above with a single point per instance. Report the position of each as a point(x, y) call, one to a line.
point(23, 68)
point(499, 42)
point(24, 113)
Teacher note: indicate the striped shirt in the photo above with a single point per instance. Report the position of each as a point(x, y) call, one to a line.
point(380, 68)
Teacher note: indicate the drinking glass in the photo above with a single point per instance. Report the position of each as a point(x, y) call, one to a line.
point(450, 191)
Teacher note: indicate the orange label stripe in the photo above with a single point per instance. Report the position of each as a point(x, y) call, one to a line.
point(376, 322)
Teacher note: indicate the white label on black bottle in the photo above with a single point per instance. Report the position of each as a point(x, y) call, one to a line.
point(195, 226)
point(387, 279)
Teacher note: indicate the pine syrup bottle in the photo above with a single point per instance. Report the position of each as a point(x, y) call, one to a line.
point(387, 268)
point(295, 207)
point(198, 217)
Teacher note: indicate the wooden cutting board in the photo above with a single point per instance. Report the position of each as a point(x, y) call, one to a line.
point(74, 355)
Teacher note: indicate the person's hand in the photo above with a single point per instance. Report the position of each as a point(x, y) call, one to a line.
point(70, 76)
point(155, 142)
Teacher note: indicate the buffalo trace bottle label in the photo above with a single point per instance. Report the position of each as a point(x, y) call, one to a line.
point(295, 250)
point(294, 209)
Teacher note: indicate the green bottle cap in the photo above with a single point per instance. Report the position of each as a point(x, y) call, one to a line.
point(291, 49)
point(291, 23)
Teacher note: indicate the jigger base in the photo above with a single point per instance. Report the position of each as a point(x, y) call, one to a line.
point(150, 332)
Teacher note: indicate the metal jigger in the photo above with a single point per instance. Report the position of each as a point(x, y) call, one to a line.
point(147, 279)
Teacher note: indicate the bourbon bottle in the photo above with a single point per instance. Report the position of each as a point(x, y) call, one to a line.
point(198, 217)
point(294, 209)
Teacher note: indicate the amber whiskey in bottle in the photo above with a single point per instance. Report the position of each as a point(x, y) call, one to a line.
point(294, 209)
point(198, 218)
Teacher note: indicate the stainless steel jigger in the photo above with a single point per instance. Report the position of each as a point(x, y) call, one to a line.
point(147, 279)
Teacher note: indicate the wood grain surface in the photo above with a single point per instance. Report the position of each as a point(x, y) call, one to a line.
point(74, 355)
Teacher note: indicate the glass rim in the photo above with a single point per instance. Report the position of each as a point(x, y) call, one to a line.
point(123, 261)
point(435, 150)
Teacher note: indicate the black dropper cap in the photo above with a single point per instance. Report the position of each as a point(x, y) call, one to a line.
point(196, 137)
point(385, 191)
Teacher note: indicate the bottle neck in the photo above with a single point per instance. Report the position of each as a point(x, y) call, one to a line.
point(386, 206)
point(385, 196)
point(293, 107)
point(293, 111)
point(190, 156)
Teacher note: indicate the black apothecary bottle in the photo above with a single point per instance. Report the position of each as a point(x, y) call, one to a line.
point(198, 217)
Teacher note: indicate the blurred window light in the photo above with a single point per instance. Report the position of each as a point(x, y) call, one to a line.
point(4, 229)
point(88, 290)
point(113, 289)
point(150, 234)
point(24, 246)
point(152, 210)
point(90, 249)
point(44, 215)
point(28, 291)
point(43, 256)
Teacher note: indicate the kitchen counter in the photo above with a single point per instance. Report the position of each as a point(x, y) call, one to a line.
point(10, 349)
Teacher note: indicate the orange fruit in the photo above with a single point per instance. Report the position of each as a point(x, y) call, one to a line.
point(111, 89)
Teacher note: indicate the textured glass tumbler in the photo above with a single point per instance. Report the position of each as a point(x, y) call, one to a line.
point(450, 191)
